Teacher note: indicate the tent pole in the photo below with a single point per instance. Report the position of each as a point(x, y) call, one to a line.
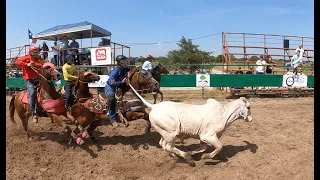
point(91, 37)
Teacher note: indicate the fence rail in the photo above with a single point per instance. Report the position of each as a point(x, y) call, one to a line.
point(189, 80)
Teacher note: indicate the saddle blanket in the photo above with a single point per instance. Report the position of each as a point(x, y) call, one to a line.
point(95, 106)
point(55, 106)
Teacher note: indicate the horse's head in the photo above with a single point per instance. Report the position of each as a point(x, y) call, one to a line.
point(50, 72)
point(144, 81)
point(85, 76)
point(162, 69)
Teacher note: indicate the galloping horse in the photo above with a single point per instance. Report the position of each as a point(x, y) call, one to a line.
point(49, 102)
point(129, 106)
point(157, 71)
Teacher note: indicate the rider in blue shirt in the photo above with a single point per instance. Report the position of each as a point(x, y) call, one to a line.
point(117, 78)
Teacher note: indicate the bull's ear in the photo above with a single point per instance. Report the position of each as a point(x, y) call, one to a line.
point(243, 99)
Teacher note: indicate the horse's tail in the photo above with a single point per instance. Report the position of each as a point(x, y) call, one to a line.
point(12, 108)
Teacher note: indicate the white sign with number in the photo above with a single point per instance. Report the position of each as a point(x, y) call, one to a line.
point(203, 80)
point(295, 81)
point(101, 56)
point(101, 83)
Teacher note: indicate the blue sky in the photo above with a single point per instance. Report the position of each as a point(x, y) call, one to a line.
point(142, 21)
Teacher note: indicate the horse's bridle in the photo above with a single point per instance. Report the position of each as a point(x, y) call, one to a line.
point(37, 71)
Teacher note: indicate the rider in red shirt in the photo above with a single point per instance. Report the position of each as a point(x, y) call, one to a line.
point(32, 59)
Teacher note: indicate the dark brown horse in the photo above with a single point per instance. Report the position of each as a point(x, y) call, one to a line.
point(49, 102)
point(157, 71)
point(129, 106)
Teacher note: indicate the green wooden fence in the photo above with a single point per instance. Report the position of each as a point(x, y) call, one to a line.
point(216, 80)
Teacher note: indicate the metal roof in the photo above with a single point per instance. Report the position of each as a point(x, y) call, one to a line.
point(80, 30)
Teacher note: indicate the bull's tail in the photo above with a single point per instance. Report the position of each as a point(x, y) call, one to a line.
point(12, 108)
point(141, 98)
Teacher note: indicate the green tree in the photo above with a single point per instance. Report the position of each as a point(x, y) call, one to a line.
point(188, 53)
point(218, 59)
point(254, 58)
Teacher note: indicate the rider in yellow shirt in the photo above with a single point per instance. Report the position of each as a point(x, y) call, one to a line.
point(69, 72)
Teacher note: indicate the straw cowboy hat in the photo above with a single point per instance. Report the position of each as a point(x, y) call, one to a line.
point(149, 57)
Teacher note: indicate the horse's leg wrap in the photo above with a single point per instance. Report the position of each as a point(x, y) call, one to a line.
point(83, 132)
point(77, 139)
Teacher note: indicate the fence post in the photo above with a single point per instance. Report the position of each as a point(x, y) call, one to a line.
point(202, 88)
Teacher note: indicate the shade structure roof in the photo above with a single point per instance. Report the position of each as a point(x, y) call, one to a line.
point(80, 30)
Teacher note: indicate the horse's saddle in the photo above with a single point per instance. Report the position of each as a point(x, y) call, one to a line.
point(39, 110)
point(96, 105)
point(145, 74)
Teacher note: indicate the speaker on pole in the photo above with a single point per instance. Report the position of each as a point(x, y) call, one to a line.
point(286, 43)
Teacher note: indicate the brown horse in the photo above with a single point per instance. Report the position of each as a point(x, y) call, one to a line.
point(49, 102)
point(129, 106)
point(157, 71)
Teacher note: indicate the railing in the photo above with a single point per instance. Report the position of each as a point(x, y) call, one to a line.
point(203, 68)
point(13, 53)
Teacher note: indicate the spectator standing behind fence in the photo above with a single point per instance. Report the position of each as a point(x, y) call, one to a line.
point(300, 48)
point(44, 48)
point(63, 46)
point(74, 44)
point(269, 66)
point(261, 63)
point(57, 60)
point(296, 60)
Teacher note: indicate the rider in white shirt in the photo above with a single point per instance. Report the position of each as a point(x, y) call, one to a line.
point(147, 65)
point(295, 61)
point(300, 48)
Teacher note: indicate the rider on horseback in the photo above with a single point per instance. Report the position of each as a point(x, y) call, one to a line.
point(32, 78)
point(116, 79)
point(147, 65)
point(69, 71)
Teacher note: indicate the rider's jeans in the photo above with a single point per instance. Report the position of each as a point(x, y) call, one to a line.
point(68, 93)
point(110, 93)
point(288, 65)
point(31, 85)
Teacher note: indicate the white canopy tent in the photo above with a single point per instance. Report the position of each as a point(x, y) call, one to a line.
point(82, 30)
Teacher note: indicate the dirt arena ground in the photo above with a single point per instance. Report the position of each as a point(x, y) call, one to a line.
point(278, 144)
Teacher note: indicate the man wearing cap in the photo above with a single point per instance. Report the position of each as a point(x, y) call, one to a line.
point(117, 78)
point(69, 72)
point(104, 42)
point(147, 65)
point(32, 59)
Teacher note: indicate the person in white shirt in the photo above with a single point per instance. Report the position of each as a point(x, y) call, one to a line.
point(300, 48)
point(295, 62)
point(55, 54)
point(261, 63)
point(147, 65)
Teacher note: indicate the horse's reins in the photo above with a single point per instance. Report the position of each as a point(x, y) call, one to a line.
point(35, 70)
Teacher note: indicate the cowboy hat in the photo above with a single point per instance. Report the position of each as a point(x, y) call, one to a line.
point(149, 57)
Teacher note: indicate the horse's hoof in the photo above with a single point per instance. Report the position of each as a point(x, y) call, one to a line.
point(192, 164)
point(79, 141)
point(93, 139)
point(85, 135)
point(190, 161)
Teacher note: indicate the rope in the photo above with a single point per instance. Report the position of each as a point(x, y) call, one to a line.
point(39, 73)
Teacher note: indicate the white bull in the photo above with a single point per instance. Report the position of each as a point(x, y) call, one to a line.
point(206, 122)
